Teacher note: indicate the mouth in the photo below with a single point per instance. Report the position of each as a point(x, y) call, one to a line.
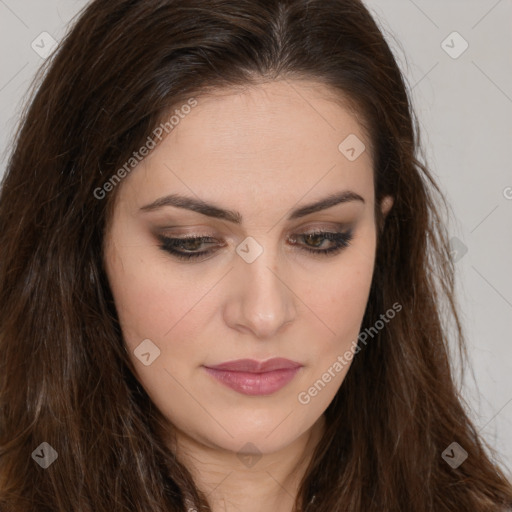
point(255, 378)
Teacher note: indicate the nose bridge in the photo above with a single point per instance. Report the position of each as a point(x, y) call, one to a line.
point(264, 302)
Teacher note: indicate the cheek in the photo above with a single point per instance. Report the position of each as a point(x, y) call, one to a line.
point(339, 294)
point(149, 298)
point(340, 303)
point(343, 314)
point(151, 304)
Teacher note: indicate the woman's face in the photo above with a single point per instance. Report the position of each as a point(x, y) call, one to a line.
point(261, 291)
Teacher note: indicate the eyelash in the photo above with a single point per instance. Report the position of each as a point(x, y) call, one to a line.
point(341, 241)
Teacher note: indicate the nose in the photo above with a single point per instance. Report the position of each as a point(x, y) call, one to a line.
point(261, 301)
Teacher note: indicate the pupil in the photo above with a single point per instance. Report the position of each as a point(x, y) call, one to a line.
point(317, 237)
point(191, 244)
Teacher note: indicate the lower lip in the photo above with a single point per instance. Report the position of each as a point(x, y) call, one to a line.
point(254, 384)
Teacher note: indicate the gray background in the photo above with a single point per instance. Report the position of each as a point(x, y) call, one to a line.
point(464, 105)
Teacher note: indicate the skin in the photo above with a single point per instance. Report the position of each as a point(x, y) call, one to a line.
point(262, 151)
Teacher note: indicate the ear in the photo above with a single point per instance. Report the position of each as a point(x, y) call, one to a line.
point(386, 204)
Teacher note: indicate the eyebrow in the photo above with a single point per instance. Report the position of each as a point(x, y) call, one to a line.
point(212, 210)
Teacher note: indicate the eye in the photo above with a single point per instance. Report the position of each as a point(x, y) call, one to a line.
point(340, 240)
point(186, 248)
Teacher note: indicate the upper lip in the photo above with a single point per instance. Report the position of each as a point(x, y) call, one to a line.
point(253, 366)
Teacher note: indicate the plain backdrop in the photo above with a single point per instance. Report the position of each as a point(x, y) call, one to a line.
point(457, 59)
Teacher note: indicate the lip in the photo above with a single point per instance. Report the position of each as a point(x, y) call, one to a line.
point(253, 366)
point(255, 378)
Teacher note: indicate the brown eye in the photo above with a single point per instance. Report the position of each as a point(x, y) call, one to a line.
point(186, 247)
point(315, 240)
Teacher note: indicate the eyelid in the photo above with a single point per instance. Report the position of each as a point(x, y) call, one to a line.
point(305, 227)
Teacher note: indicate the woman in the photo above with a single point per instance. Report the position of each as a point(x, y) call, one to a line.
point(223, 274)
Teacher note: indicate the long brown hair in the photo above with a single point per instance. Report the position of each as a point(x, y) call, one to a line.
point(65, 376)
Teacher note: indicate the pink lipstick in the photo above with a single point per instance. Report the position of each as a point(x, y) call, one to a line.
point(251, 377)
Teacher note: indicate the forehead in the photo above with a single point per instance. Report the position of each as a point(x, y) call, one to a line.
point(262, 119)
point(277, 138)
